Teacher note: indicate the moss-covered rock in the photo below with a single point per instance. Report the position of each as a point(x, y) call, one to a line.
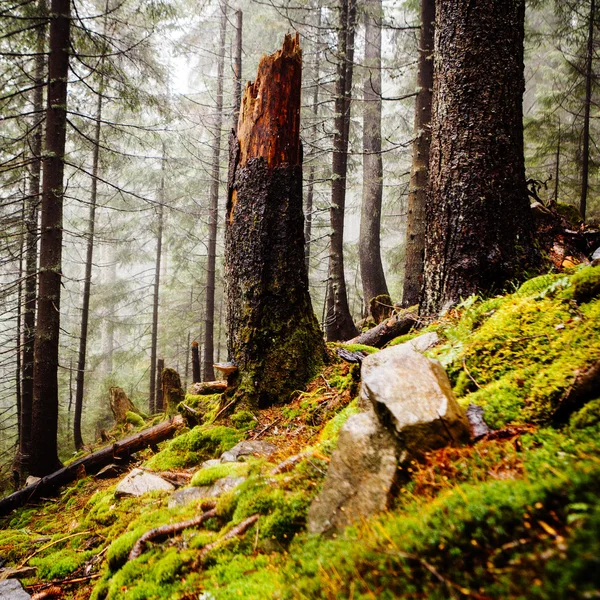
point(586, 284)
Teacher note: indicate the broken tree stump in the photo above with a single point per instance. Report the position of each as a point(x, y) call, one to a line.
point(195, 363)
point(389, 329)
point(120, 405)
point(172, 391)
point(274, 337)
point(160, 402)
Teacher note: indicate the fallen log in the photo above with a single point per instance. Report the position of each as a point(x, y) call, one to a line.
point(388, 330)
point(207, 387)
point(121, 450)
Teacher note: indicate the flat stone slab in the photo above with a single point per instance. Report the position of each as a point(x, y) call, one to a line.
point(139, 482)
point(247, 449)
point(412, 396)
point(213, 462)
point(191, 494)
point(12, 589)
point(359, 478)
point(422, 343)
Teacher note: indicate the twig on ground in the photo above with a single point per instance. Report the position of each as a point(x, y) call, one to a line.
point(238, 530)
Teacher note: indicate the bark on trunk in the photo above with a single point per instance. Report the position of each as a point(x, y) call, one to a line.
point(274, 336)
point(172, 391)
point(209, 357)
point(479, 224)
point(419, 174)
point(369, 246)
point(31, 223)
point(87, 284)
point(339, 324)
point(119, 451)
point(160, 404)
point(45, 378)
point(585, 149)
point(154, 340)
point(195, 363)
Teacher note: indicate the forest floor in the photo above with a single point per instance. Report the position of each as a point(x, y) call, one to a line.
point(513, 515)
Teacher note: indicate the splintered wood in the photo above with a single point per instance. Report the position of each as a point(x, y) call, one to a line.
point(269, 121)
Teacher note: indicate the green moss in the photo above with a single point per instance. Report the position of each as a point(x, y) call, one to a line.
point(570, 213)
point(243, 420)
point(191, 448)
point(207, 405)
point(537, 285)
point(586, 284)
point(330, 433)
point(134, 419)
point(588, 416)
point(359, 348)
point(60, 564)
point(211, 474)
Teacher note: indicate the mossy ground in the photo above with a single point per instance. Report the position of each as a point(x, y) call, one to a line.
point(510, 518)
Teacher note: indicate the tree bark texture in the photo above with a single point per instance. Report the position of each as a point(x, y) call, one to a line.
point(195, 363)
point(209, 328)
point(339, 324)
point(479, 224)
point(172, 392)
point(274, 337)
point(369, 245)
point(44, 455)
point(31, 252)
point(419, 173)
point(155, 301)
point(160, 400)
point(585, 143)
point(87, 282)
point(119, 451)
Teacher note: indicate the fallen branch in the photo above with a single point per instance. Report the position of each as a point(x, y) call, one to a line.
point(51, 592)
point(121, 450)
point(289, 463)
point(238, 530)
point(387, 330)
point(57, 582)
point(266, 428)
point(167, 530)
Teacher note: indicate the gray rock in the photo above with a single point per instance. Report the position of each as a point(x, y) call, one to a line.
point(17, 572)
point(412, 396)
point(422, 343)
point(31, 480)
point(596, 254)
point(247, 449)
point(360, 476)
point(211, 463)
point(11, 589)
point(187, 495)
point(139, 482)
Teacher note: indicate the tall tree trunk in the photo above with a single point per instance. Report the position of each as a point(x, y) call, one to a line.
point(339, 324)
point(155, 301)
point(44, 455)
point(87, 282)
point(479, 225)
point(31, 223)
point(369, 246)
point(237, 69)
point(585, 150)
point(310, 187)
point(419, 173)
point(209, 326)
point(274, 336)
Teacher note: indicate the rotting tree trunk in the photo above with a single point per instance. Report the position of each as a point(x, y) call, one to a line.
point(119, 451)
point(585, 145)
point(369, 245)
point(155, 300)
point(160, 404)
point(339, 324)
point(274, 336)
point(195, 363)
point(44, 430)
point(120, 405)
point(310, 186)
point(172, 391)
point(31, 254)
point(419, 173)
point(209, 327)
point(479, 224)
point(87, 282)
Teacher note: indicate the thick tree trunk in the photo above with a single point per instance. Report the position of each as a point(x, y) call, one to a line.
point(45, 378)
point(585, 145)
point(31, 258)
point(479, 225)
point(209, 327)
point(172, 392)
point(339, 324)
point(155, 301)
point(419, 173)
point(87, 283)
point(274, 336)
point(310, 187)
point(119, 451)
point(369, 246)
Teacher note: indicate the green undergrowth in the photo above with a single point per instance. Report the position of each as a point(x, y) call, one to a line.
point(207, 405)
point(211, 474)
